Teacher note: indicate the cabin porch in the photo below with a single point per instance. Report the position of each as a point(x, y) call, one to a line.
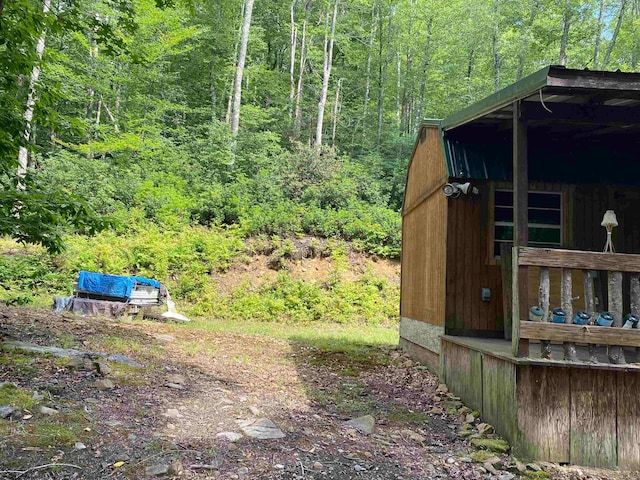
point(550, 410)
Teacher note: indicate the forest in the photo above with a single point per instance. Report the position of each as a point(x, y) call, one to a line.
point(156, 136)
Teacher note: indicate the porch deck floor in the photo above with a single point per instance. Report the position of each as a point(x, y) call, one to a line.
point(502, 349)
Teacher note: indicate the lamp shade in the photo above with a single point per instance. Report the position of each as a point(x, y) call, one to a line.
point(609, 219)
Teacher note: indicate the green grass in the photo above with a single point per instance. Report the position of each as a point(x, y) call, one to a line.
point(22, 363)
point(347, 399)
point(357, 346)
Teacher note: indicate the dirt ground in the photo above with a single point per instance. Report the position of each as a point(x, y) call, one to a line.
point(182, 414)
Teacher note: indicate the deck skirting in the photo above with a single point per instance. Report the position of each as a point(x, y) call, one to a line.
point(549, 412)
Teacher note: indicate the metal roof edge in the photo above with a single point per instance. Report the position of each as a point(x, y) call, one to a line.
point(431, 122)
point(499, 99)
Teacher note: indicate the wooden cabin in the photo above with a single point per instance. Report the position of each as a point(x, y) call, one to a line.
point(502, 212)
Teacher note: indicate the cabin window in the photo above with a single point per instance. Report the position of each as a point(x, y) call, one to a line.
point(545, 219)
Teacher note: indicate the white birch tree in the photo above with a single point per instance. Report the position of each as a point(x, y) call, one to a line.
point(326, 74)
point(242, 55)
point(23, 153)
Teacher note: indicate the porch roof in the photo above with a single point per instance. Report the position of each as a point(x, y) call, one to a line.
point(559, 94)
point(583, 127)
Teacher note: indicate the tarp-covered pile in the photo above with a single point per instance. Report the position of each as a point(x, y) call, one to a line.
point(111, 295)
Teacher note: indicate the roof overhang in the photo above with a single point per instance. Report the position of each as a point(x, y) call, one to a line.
point(558, 94)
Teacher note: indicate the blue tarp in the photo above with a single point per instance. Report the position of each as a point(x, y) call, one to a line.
point(111, 285)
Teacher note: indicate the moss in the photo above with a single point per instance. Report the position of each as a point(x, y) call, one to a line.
point(14, 396)
point(63, 429)
point(493, 445)
point(536, 475)
point(65, 340)
point(481, 456)
point(404, 415)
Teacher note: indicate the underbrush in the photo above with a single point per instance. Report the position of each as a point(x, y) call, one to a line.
point(187, 258)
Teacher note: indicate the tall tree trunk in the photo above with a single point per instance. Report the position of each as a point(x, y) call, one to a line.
point(236, 47)
point(425, 67)
point(382, 78)
point(407, 85)
point(367, 81)
point(398, 90)
point(242, 55)
point(596, 49)
point(470, 64)
point(614, 37)
point(326, 74)
point(297, 120)
point(566, 23)
point(292, 60)
point(533, 12)
point(635, 49)
point(336, 112)
point(495, 38)
point(23, 153)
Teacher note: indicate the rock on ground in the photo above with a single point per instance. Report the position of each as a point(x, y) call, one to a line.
point(262, 429)
point(363, 424)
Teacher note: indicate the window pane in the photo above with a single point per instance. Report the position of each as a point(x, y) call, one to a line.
point(504, 232)
point(504, 214)
point(544, 200)
point(547, 217)
point(544, 235)
point(504, 198)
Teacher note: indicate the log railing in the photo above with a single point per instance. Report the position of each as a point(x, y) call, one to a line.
point(614, 337)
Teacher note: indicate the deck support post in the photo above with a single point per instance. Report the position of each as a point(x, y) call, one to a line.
point(635, 297)
point(566, 299)
point(520, 285)
point(543, 303)
point(616, 353)
point(590, 308)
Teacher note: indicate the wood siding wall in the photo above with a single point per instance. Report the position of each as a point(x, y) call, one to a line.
point(423, 232)
point(470, 268)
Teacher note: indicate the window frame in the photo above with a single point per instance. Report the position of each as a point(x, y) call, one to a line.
point(494, 223)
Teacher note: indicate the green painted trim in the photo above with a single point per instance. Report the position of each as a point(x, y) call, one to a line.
point(431, 121)
point(520, 89)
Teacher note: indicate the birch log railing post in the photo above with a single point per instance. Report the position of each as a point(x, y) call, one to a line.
point(590, 308)
point(566, 300)
point(635, 296)
point(616, 353)
point(543, 301)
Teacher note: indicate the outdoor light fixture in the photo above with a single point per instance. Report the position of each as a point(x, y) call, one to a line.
point(609, 221)
point(454, 190)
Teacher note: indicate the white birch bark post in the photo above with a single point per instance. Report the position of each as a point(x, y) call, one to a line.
point(635, 297)
point(590, 308)
point(543, 301)
point(566, 299)
point(616, 353)
point(23, 153)
point(242, 55)
point(326, 74)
